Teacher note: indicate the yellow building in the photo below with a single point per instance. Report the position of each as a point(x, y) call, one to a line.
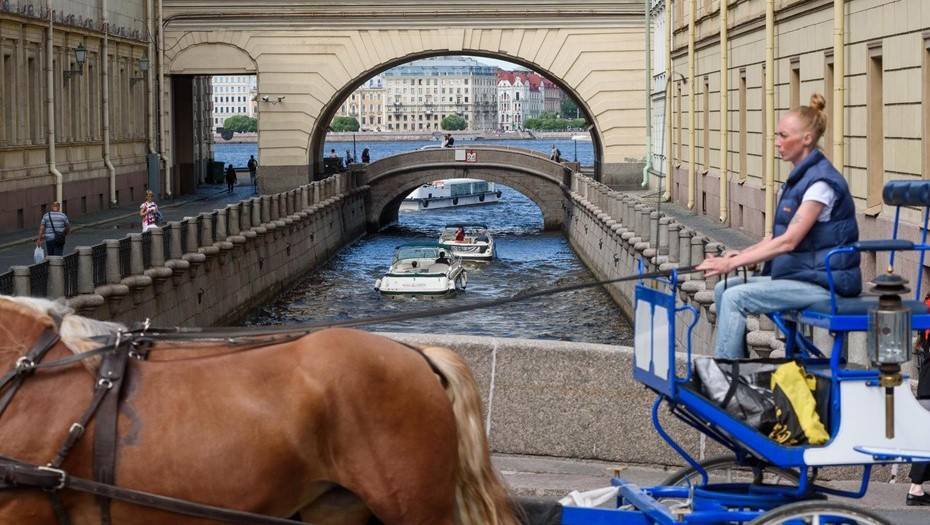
point(366, 104)
point(876, 81)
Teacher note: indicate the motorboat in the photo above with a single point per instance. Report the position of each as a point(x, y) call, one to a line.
point(423, 269)
point(585, 137)
point(474, 242)
point(451, 192)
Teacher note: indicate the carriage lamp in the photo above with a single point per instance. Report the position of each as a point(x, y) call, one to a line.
point(889, 338)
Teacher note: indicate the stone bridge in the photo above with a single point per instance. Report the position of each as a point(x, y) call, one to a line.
point(531, 173)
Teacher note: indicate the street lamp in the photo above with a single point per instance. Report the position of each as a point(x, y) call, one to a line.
point(80, 56)
point(143, 67)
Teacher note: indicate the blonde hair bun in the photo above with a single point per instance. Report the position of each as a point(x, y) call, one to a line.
point(818, 102)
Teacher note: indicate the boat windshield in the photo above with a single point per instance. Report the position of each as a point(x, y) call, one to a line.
point(416, 252)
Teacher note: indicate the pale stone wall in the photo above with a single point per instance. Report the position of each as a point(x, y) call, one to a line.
point(315, 53)
point(892, 31)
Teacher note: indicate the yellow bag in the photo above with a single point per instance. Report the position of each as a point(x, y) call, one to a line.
point(796, 410)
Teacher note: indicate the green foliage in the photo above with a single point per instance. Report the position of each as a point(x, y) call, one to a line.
point(569, 109)
point(548, 122)
point(453, 123)
point(344, 124)
point(241, 124)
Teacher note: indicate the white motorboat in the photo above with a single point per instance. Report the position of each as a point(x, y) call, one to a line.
point(451, 192)
point(423, 269)
point(470, 241)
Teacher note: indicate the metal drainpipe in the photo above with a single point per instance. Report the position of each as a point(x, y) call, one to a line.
point(768, 161)
point(724, 112)
point(150, 81)
point(50, 50)
point(161, 94)
point(648, 89)
point(106, 103)
point(667, 195)
point(839, 85)
point(692, 174)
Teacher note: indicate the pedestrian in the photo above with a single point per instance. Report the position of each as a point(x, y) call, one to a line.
point(555, 155)
point(148, 210)
point(230, 178)
point(332, 154)
point(815, 214)
point(366, 157)
point(349, 159)
point(54, 229)
point(253, 168)
point(450, 141)
point(920, 471)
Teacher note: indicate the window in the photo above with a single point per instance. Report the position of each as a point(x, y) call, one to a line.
point(828, 97)
point(794, 84)
point(743, 171)
point(875, 134)
point(705, 103)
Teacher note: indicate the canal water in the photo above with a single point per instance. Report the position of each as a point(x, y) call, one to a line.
point(237, 154)
point(528, 259)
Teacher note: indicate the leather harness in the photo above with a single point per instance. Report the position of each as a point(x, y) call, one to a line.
point(52, 479)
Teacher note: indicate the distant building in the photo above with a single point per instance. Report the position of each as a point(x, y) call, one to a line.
point(233, 95)
point(552, 95)
point(366, 104)
point(520, 96)
point(418, 95)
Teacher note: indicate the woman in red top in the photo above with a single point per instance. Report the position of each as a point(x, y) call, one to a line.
point(460, 234)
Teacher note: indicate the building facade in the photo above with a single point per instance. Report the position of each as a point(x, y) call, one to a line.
point(878, 131)
point(552, 97)
point(366, 105)
point(418, 95)
point(233, 95)
point(520, 97)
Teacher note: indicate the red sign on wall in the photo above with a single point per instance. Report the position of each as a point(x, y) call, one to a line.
point(471, 155)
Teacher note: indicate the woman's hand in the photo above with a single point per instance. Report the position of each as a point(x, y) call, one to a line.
point(716, 265)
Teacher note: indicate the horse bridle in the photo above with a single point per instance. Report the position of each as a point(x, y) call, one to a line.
point(135, 344)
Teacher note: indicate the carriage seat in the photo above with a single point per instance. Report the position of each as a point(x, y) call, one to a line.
point(852, 314)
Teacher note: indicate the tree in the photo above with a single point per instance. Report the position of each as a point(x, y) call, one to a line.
point(241, 124)
point(453, 123)
point(570, 109)
point(344, 124)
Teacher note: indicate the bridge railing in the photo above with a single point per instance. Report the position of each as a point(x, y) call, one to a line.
point(111, 267)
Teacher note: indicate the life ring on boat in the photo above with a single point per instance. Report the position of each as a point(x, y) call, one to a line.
point(481, 198)
point(425, 204)
point(499, 194)
point(455, 201)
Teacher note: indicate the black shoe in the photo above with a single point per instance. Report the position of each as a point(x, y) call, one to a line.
point(918, 501)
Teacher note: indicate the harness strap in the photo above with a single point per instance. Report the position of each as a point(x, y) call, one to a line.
point(14, 474)
point(26, 365)
point(110, 383)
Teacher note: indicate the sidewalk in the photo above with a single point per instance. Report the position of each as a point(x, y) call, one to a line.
point(16, 247)
point(553, 478)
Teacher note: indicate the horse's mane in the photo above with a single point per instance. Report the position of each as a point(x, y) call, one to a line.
point(75, 330)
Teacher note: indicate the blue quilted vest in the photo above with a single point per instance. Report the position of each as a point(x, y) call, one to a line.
point(807, 261)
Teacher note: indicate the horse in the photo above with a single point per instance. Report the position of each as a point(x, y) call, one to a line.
point(338, 427)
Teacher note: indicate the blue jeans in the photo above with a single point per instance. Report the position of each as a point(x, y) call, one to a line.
point(760, 295)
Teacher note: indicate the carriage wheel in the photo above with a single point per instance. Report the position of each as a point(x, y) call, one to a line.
point(819, 513)
point(727, 469)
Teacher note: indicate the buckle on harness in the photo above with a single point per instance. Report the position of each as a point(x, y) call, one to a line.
point(62, 476)
point(25, 365)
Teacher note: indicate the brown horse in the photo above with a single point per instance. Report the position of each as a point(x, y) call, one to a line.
point(340, 426)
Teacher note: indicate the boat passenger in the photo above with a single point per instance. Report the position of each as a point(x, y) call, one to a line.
point(815, 214)
point(442, 258)
point(460, 234)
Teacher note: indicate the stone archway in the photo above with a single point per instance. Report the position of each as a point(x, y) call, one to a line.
point(309, 58)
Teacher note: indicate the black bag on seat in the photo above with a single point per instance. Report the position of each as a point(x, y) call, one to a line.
point(740, 387)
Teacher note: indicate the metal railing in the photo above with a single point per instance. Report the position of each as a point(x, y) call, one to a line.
point(38, 279)
point(6, 283)
point(183, 233)
point(146, 249)
point(71, 274)
point(125, 257)
point(167, 232)
point(99, 257)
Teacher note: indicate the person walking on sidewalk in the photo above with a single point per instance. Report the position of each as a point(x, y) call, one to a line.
point(230, 178)
point(253, 168)
point(148, 210)
point(53, 229)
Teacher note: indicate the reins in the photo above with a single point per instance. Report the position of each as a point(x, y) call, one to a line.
point(135, 344)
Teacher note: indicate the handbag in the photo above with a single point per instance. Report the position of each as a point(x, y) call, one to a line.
point(57, 237)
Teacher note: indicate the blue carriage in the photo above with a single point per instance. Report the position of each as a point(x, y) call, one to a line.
point(777, 483)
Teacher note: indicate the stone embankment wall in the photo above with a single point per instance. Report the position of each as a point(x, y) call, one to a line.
point(210, 269)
